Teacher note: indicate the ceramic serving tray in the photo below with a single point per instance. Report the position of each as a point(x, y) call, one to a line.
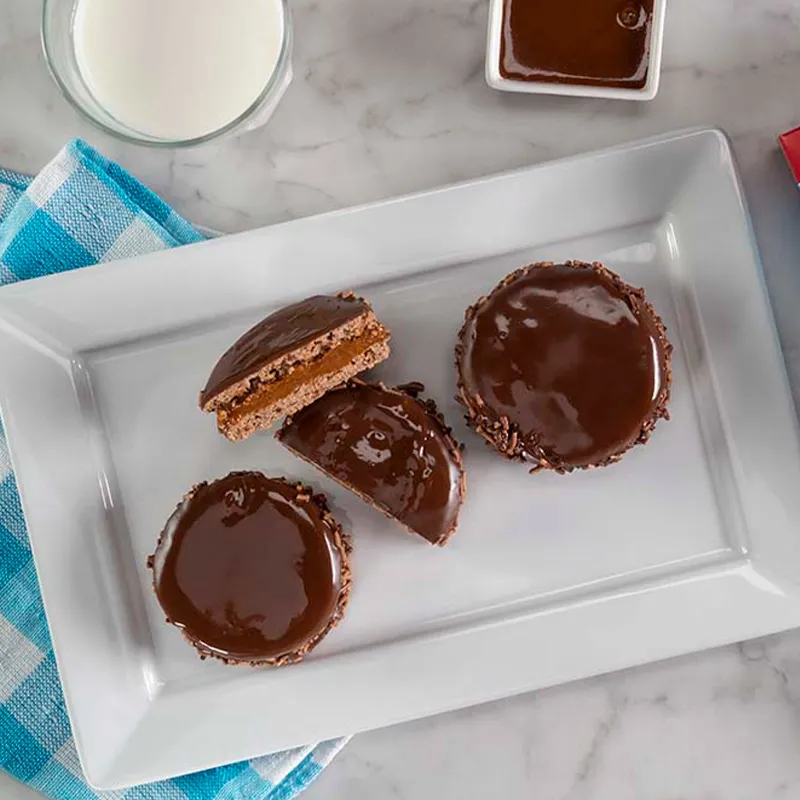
point(689, 542)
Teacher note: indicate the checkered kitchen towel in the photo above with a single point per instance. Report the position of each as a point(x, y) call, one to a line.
point(80, 210)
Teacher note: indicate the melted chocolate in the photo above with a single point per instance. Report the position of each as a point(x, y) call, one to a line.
point(568, 359)
point(390, 448)
point(250, 569)
point(589, 42)
point(287, 329)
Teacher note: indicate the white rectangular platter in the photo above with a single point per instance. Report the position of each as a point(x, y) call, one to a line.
point(690, 542)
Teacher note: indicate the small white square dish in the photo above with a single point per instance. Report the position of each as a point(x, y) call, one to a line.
point(689, 542)
point(495, 78)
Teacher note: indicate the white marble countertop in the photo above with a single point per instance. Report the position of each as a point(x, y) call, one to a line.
point(390, 97)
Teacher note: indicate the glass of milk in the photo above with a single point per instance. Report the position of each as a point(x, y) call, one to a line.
point(170, 73)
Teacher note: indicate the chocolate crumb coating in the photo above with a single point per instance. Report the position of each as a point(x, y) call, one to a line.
point(391, 448)
point(290, 359)
point(564, 366)
point(254, 570)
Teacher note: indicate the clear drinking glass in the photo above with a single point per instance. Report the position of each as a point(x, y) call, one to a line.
point(59, 51)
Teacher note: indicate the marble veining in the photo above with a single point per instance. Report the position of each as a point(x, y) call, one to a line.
point(389, 97)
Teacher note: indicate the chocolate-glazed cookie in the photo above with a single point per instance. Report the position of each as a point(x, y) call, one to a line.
point(564, 366)
point(389, 447)
point(253, 569)
point(290, 359)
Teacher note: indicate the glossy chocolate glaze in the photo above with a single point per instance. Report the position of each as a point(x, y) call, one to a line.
point(589, 42)
point(389, 447)
point(564, 364)
point(248, 567)
point(280, 333)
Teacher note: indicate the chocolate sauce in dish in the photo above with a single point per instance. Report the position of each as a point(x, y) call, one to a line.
point(585, 42)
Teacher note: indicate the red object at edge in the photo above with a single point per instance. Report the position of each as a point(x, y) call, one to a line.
point(790, 142)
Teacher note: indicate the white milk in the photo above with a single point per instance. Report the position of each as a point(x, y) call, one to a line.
point(177, 69)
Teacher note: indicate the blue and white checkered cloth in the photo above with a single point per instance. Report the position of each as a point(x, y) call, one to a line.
point(83, 209)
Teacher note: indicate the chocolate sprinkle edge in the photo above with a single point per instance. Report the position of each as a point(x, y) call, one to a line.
point(454, 447)
point(342, 545)
point(504, 436)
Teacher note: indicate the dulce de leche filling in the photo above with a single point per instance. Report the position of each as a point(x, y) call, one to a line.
point(335, 360)
point(285, 330)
